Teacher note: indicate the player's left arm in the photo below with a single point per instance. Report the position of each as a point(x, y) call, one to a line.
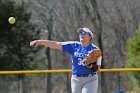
point(99, 63)
point(95, 67)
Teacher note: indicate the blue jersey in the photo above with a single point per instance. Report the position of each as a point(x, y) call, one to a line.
point(78, 53)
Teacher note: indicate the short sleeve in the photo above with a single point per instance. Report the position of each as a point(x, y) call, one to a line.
point(67, 47)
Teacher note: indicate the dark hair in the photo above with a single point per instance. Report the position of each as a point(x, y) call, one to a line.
point(91, 36)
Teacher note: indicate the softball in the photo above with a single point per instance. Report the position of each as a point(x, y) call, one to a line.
point(12, 20)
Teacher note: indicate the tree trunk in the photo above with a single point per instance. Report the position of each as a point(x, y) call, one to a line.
point(48, 53)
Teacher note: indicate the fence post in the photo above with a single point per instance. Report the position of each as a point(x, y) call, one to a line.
point(68, 83)
point(118, 80)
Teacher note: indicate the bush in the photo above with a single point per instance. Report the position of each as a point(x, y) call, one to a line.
point(133, 46)
point(16, 53)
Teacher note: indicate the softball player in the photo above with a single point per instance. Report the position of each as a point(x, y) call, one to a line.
point(83, 80)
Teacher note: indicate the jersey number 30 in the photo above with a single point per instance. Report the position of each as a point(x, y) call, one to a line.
point(80, 62)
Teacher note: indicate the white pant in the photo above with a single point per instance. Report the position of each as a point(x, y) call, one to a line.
point(84, 84)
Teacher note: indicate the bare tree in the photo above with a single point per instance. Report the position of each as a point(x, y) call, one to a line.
point(117, 18)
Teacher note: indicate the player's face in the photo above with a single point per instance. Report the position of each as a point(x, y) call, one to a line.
point(84, 36)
